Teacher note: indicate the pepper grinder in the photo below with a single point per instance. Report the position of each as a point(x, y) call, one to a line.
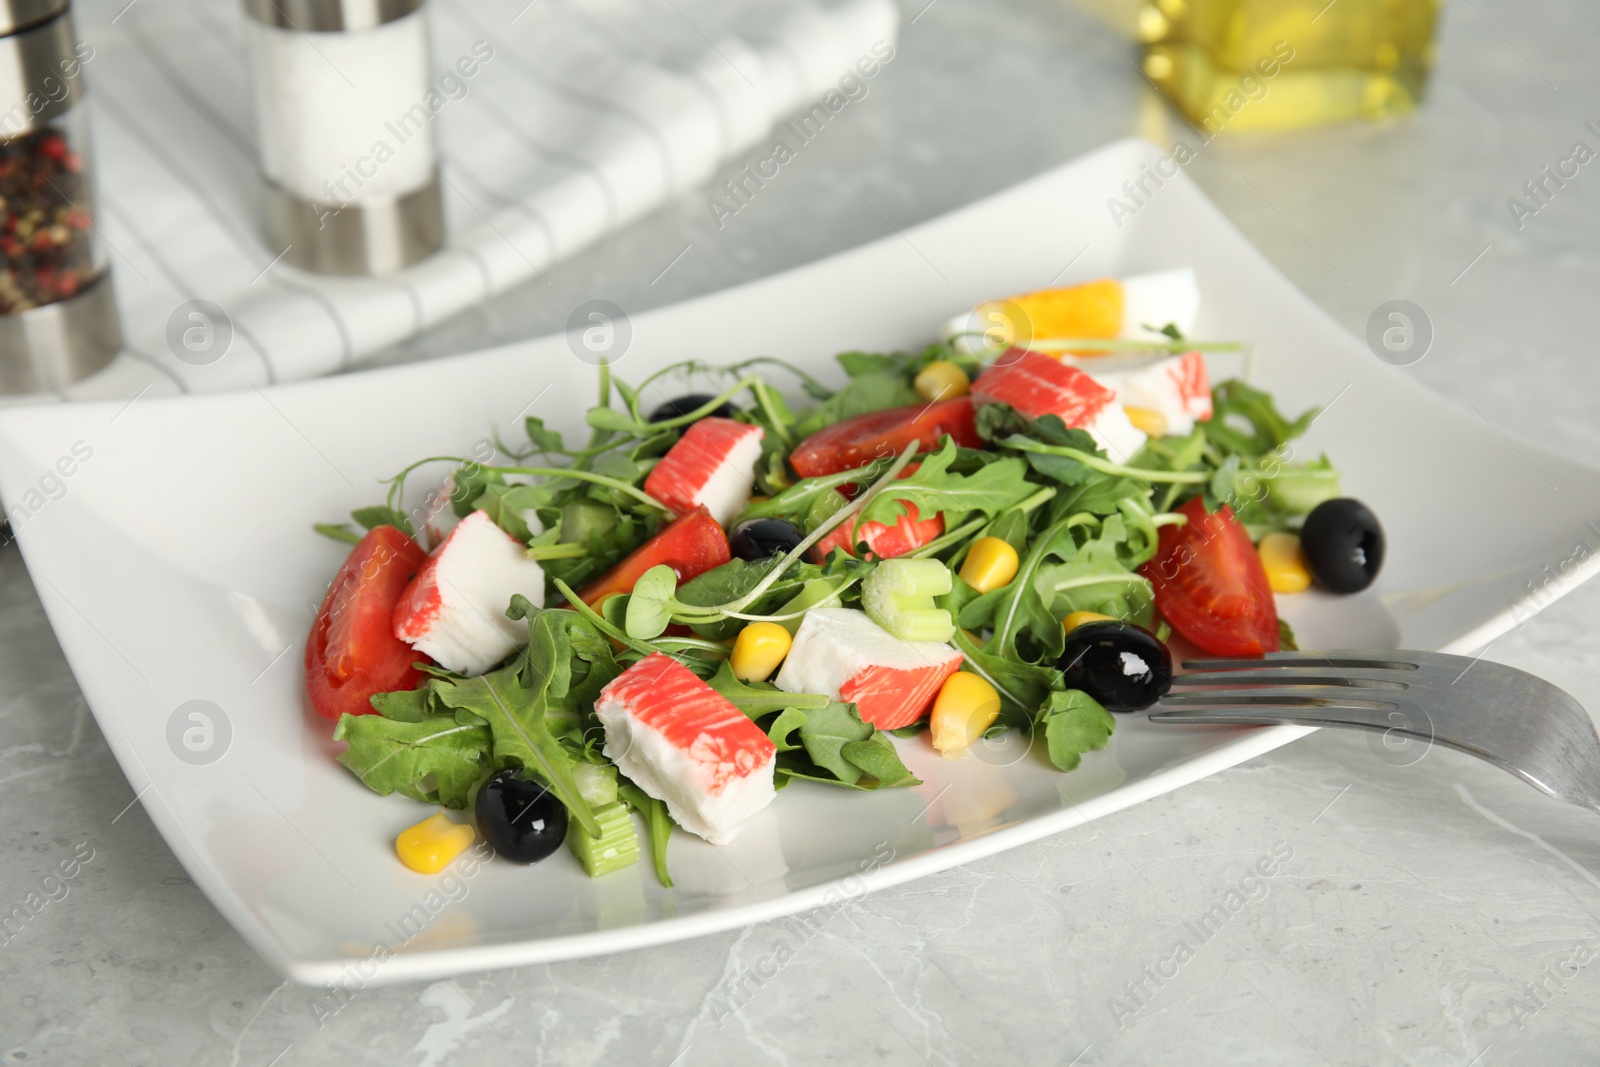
point(58, 311)
point(345, 120)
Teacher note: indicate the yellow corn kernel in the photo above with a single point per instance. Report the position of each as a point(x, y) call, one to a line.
point(990, 564)
point(1285, 565)
point(941, 380)
point(1078, 618)
point(965, 707)
point(429, 846)
point(1148, 421)
point(758, 650)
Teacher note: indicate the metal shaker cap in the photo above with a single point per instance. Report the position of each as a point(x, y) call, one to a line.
point(309, 16)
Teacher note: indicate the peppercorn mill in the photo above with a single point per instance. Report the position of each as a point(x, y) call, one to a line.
point(58, 313)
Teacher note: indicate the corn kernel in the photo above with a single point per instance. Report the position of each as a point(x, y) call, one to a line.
point(1285, 565)
point(1078, 618)
point(990, 564)
point(966, 706)
point(429, 846)
point(1147, 421)
point(758, 650)
point(941, 380)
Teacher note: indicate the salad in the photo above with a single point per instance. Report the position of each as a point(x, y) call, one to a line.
point(715, 596)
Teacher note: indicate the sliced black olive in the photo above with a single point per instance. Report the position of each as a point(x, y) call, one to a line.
point(680, 406)
point(1122, 666)
point(1342, 542)
point(521, 819)
point(763, 539)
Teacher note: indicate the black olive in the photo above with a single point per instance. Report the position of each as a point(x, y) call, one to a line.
point(680, 406)
point(1122, 666)
point(521, 819)
point(764, 538)
point(1342, 542)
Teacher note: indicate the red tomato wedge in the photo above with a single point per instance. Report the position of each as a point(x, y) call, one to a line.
point(691, 546)
point(853, 443)
point(352, 652)
point(1210, 584)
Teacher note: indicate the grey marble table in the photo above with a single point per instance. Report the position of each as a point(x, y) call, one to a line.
point(1433, 914)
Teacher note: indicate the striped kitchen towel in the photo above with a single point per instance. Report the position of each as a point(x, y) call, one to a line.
point(586, 115)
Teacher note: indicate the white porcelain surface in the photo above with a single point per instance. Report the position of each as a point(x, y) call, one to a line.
point(180, 566)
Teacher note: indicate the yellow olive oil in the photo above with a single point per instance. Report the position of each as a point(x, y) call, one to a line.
point(1278, 64)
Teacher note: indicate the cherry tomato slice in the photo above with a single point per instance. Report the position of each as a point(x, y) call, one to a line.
point(690, 545)
point(352, 652)
point(856, 442)
point(1210, 584)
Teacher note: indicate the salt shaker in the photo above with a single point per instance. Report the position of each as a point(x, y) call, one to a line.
point(347, 144)
point(58, 312)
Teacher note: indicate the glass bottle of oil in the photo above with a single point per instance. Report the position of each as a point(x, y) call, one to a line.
point(1276, 64)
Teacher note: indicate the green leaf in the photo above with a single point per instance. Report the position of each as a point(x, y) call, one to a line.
point(856, 364)
point(505, 504)
point(437, 759)
point(1023, 687)
point(468, 483)
point(869, 392)
point(517, 700)
point(339, 531)
point(934, 490)
point(826, 732)
point(541, 437)
point(1074, 723)
point(379, 515)
point(405, 705)
point(783, 726)
point(650, 606)
point(761, 699)
point(1095, 579)
point(657, 819)
point(878, 759)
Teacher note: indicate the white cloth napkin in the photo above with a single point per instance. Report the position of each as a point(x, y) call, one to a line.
point(589, 114)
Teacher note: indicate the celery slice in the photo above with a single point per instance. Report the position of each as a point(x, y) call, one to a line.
point(816, 593)
point(597, 783)
point(898, 596)
point(616, 847)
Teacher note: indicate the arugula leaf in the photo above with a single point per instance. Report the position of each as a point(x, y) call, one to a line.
point(519, 700)
point(379, 515)
point(1233, 402)
point(435, 759)
point(541, 437)
point(933, 490)
point(868, 392)
point(405, 705)
point(1073, 723)
point(339, 531)
point(656, 819)
point(877, 758)
point(762, 699)
point(1096, 579)
point(833, 736)
point(856, 364)
point(783, 725)
point(505, 504)
point(1023, 687)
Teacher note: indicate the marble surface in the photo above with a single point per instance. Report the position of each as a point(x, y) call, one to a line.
point(1432, 914)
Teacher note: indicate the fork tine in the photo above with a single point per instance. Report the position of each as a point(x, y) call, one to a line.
point(1376, 660)
point(1289, 676)
point(1284, 697)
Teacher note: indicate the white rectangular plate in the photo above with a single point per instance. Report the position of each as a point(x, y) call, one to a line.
point(177, 564)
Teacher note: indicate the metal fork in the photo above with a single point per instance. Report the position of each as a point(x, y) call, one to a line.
point(1514, 720)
